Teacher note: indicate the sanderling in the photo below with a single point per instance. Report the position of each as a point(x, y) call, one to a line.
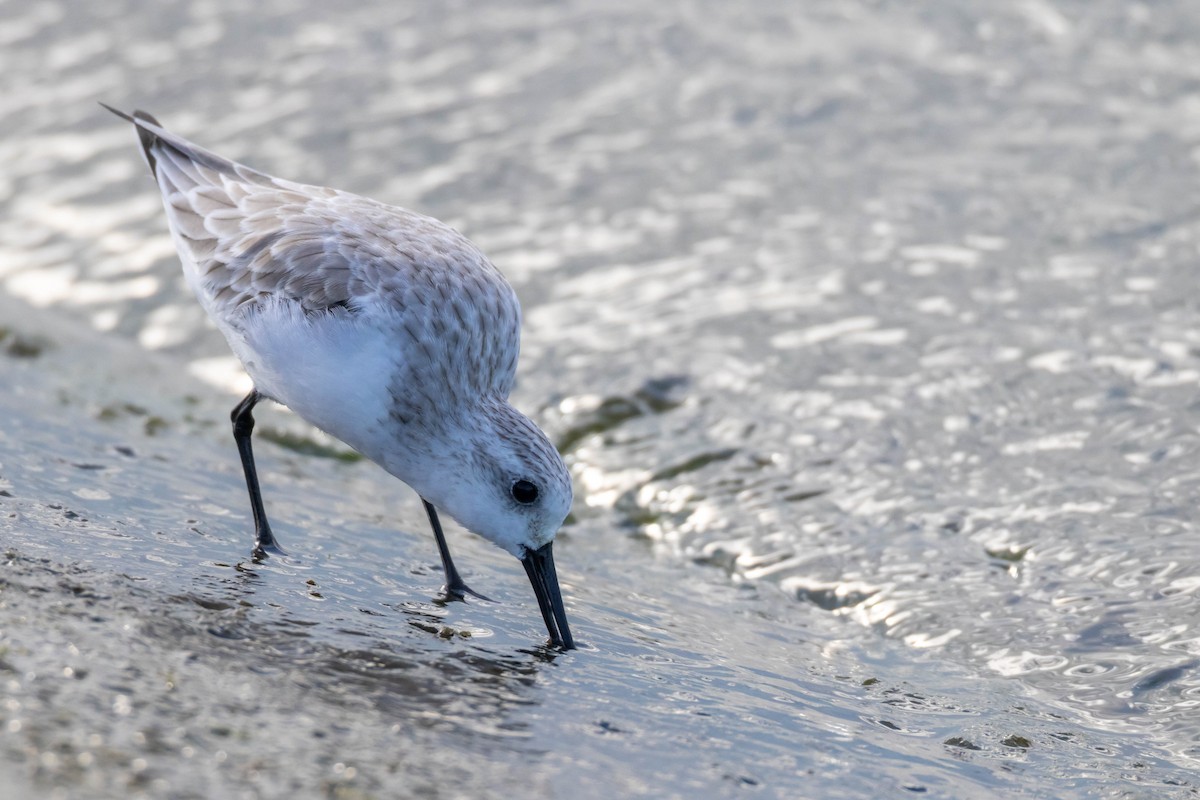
point(382, 327)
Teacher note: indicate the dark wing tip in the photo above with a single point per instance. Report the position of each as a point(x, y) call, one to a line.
point(147, 138)
point(120, 114)
point(154, 136)
point(146, 117)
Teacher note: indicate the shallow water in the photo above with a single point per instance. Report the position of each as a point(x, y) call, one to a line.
point(868, 333)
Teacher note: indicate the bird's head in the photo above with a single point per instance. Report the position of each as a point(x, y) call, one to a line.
point(508, 484)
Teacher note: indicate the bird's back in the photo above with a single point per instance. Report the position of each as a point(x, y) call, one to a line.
point(250, 241)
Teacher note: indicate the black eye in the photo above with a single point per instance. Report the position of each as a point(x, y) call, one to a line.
point(524, 492)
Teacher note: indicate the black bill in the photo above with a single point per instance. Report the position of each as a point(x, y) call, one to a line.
point(539, 566)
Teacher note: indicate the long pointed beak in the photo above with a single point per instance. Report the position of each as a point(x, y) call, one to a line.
point(539, 566)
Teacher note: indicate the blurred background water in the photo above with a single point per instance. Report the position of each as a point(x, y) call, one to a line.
point(867, 329)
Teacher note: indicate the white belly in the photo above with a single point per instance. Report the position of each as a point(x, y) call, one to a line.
point(334, 370)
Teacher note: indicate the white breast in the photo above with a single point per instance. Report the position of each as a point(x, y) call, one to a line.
point(332, 369)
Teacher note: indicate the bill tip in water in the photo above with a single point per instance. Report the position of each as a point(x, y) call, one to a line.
point(539, 566)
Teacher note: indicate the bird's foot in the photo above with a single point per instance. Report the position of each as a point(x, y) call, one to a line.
point(265, 546)
point(458, 591)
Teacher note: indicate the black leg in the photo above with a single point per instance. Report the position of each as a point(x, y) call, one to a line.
point(243, 426)
point(455, 588)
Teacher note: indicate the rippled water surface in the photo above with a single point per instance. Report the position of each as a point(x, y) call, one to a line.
point(868, 331)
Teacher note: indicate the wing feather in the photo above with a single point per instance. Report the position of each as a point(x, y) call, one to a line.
point(246, 239)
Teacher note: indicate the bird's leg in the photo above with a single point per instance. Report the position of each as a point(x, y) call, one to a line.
point(243, 426)
point(455, 588)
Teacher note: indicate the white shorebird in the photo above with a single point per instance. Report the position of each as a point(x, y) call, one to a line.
point(384, 328)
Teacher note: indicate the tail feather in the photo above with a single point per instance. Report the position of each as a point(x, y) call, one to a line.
point(145, 116)
point(158, 144)
point(147, 138)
